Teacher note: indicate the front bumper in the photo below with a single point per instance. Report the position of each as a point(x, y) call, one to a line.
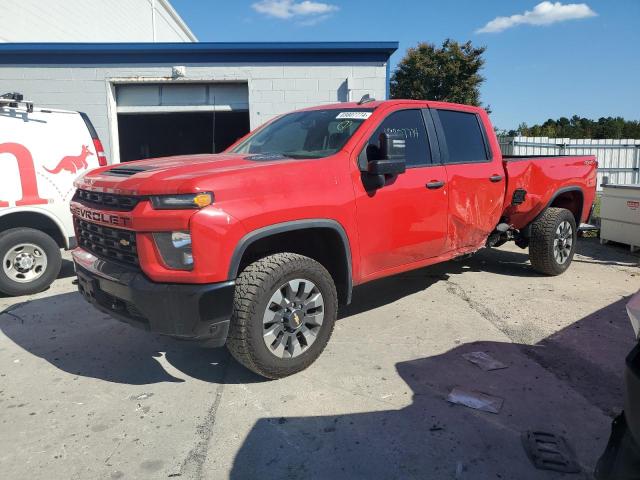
point(621, 460)
point(190, 311)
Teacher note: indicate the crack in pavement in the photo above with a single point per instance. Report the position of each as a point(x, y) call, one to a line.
point(515, 334)
point(11, 308)
point(13, 315)
point(194, 462)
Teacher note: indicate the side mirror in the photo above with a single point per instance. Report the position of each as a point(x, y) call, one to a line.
point(392, 151)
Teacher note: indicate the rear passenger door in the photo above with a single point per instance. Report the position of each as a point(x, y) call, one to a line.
point(475, 180)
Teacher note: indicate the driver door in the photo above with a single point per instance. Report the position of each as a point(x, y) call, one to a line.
point(405, 221)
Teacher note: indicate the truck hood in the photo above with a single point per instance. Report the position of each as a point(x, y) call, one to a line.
point(179, 174)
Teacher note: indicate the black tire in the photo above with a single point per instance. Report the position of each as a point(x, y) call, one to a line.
point(254, 288)
point(542, 251)
point(16, 236)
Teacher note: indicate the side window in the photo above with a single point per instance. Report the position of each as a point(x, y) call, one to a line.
point(463, 135)
point(409, 124)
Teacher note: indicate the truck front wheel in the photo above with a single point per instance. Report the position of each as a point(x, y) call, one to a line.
point(285, 307)
point(553, 241)
point(31, 261)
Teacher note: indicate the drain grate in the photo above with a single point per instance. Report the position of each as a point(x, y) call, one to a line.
point(548, 451)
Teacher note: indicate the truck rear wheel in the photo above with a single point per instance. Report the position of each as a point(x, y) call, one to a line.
point(553, 241)
point(285, 307)
point(31, 261)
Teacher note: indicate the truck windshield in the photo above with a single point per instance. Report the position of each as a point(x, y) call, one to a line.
point(310, 134)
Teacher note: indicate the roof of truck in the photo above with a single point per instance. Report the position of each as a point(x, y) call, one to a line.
point(378, 103)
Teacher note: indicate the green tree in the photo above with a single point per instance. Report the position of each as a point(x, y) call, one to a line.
point(450, 73)
point(579, 127)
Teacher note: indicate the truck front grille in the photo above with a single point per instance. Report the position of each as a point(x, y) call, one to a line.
point(108, 200)
point(108, 243)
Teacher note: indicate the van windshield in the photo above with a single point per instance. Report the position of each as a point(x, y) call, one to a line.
point(310, 134)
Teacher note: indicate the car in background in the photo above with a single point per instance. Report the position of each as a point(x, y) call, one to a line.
point(621, 460)
point(42, 151)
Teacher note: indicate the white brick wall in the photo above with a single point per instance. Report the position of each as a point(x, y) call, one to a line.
point(90, 21)
point(273, 89)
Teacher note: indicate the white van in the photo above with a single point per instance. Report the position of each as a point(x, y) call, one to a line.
point(41, 152)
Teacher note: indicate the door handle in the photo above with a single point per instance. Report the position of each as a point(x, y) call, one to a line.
point(435, 184)
point(495, 178)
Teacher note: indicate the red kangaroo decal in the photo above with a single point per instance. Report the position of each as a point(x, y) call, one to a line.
point(28, 182)
point(72, 164)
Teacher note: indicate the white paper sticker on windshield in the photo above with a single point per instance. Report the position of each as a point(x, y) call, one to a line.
point(354, 115)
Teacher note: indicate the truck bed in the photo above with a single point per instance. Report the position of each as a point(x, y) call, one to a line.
point(545, 178)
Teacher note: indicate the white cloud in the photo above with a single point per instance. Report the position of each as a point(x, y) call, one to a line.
point(309, 10)
point(545, 13)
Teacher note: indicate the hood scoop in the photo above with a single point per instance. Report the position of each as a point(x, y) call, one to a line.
point(126, 170)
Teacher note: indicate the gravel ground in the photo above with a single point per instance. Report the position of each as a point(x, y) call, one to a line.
point(83, 396)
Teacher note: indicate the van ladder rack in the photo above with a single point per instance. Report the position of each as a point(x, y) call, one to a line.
point(13, 99)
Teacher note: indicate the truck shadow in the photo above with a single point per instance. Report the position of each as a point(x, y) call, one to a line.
point(570, 383)
point(390, 289)
point(77, 339)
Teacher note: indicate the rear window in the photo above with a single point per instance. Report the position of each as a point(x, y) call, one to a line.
point(464, 137)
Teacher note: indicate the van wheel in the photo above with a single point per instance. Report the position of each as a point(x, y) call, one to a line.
point(285, 307)
point(553, 241)
point(31, 261)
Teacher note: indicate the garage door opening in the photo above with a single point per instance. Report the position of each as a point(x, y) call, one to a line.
point(180, 118)
point(164, 134)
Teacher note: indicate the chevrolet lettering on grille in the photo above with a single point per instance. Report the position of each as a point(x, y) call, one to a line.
point(100, 217)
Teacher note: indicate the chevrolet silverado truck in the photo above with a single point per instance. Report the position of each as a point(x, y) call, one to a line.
point(257, 246)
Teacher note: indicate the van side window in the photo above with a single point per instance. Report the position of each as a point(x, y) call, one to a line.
point(464, 137)
point(410, 125)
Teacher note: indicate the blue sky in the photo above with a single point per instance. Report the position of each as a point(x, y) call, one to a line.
point(559, 59)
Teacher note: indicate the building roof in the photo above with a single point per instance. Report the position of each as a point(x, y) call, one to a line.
point(203, 52)
point(178, 20)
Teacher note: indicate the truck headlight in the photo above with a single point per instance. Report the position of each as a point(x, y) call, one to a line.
point(181, 202)
point(175, 249)
point(633, 309)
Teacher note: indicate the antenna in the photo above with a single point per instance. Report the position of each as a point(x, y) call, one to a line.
point(366, 99)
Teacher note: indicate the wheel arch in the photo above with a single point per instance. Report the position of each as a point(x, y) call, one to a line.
point(571, 198)
point(324, 240)
point(38, 220)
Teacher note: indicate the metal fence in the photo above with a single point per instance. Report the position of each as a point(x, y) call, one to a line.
point(619, 160)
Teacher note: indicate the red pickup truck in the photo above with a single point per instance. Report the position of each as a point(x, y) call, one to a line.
point(256, 247)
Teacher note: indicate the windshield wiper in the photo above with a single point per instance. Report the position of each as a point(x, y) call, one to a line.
point(267, 156)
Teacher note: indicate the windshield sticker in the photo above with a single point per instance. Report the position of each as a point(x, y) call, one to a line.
point(354, 115)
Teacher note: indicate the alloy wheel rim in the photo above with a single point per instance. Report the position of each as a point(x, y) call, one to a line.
point(293, 318)
point(563, 242)
point(25, 262)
